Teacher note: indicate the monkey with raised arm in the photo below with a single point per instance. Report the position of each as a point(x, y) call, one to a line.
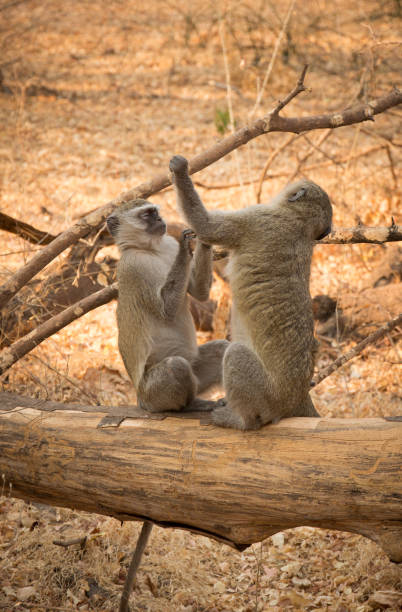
point(157, 338)
point(267, 370)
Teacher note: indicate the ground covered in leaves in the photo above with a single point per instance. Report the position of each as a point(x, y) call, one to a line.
point(95, 97)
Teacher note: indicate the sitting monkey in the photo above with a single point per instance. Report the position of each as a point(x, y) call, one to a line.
point(268, 367)
point(157, 337)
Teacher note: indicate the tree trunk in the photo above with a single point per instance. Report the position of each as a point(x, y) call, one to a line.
point(238, 487)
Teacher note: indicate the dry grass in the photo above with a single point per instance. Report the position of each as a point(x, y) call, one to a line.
point(131, 86)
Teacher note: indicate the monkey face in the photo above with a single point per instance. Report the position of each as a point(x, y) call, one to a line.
point(313, 205)
point(154, 224)
point(136, 221)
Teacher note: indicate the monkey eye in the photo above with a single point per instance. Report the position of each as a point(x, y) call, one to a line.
point(151, 212)
point(296, 196)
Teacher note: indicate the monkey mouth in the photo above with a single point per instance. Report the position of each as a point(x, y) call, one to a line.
point(159, 229)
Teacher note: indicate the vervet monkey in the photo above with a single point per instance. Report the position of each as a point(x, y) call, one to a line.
point(268, 367)
point(157, 337)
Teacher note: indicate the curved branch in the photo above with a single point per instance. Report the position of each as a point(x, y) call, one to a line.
point(272, 122)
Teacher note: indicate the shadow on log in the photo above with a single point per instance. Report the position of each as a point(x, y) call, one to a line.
point(237, 487)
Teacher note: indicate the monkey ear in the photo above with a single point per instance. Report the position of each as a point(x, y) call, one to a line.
point(296, 196)
point(112, 223)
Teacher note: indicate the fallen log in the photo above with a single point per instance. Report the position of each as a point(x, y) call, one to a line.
point(237, 487)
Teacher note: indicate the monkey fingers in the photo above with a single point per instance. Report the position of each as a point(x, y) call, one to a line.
point(178, 164)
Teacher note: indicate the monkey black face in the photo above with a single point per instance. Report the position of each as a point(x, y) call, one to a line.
point(154, 224)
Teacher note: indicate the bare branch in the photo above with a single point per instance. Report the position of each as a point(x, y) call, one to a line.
point(272, 122)
point(379, 333)
point(26, 231)
point(13, 353)
point(361, 234)
point(134, 565)
point(300, 87)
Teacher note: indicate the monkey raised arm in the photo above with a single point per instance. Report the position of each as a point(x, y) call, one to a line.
point(212, 227)
point(201, 272)
point(174, 290)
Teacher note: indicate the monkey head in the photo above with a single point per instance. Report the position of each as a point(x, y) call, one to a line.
point(134, 222)
point(311, 204)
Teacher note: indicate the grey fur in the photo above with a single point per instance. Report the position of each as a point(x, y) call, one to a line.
point(268, 368)
point(157, 337)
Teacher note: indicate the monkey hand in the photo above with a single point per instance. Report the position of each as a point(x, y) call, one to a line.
point(186, 237)
point(178, 165)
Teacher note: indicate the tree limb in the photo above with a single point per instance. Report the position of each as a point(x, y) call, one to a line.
point(26, 231)
point(361, 234)
point(239, 487)
point(20, 348)
point(379, 333)
point(272, 122)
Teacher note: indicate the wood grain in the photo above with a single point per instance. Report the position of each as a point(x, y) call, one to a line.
point(239, 487)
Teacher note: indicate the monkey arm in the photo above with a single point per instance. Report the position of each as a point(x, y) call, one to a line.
point(174, 290)
point(201, 272)
point(216, 227)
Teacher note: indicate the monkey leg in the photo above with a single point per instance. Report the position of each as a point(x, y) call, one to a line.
point(168, 385)
point(171, 385)
point(209, 363)
point(306, 409)
point(247, 388)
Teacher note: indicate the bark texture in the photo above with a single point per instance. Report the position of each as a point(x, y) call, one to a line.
point(238, 487)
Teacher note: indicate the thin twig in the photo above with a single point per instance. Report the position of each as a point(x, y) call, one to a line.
point(229, 95)
point(300, 87)
point(270, 159)
point(379, 333)
point(391, 166)
point(273, 57)
point(91, 396)
point(135, 562)
point(305, 157)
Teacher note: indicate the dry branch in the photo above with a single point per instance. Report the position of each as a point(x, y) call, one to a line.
point(20, 348)
point(356, 350)
point(38, 301)
point(272, 122)
point(26, 231)
point(362, 234)
point(239, 487)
